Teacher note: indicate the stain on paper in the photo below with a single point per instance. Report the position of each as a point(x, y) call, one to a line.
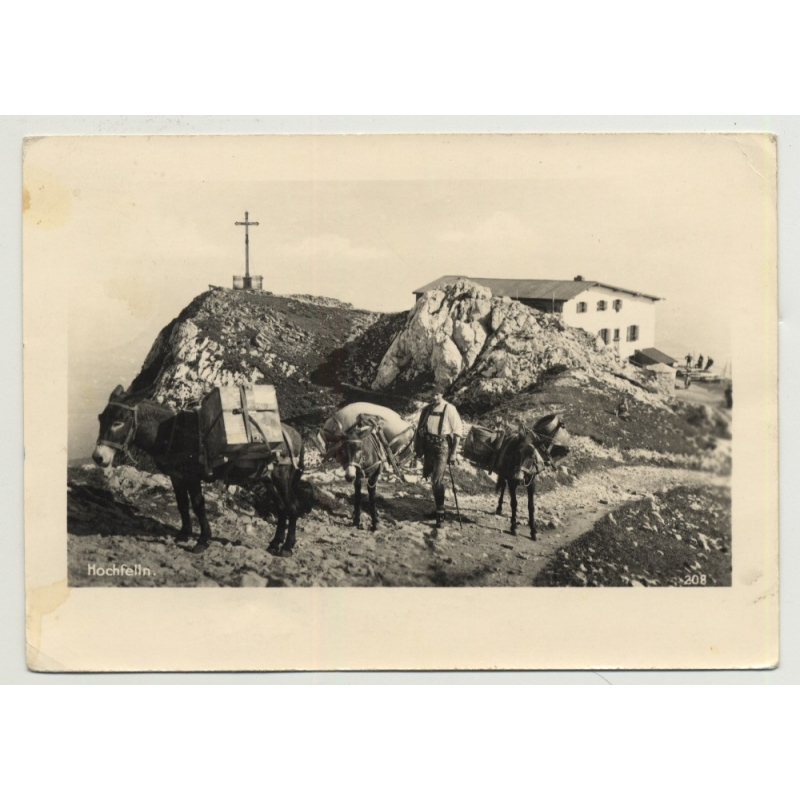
point(42, 601)
point(46, 202)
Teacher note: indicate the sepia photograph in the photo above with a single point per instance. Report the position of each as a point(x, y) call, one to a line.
point(407, 362)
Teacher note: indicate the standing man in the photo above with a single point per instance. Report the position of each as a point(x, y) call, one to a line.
point(438, 435)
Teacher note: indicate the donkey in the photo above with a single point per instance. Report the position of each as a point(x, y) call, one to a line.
point(172, 439)
point(362, 448)
point(518, 462)
point(361, 459)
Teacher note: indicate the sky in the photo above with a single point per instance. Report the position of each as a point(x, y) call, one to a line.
point(138, 226)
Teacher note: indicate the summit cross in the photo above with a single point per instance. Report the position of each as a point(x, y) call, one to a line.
point(247, 225)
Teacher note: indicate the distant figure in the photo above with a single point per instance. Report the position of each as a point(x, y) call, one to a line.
point(709, 363)
point(700, 362)
point(729, 395)
point(688, 361)
point(623, 410)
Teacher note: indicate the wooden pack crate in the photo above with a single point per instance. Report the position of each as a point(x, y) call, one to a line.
point(239, 421)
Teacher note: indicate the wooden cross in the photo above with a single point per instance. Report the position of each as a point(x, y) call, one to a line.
point(246, 224)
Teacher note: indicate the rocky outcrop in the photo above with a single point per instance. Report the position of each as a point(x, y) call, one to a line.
point(490, 348)
point(232, 338)
point(188, 363)
point(442, 338)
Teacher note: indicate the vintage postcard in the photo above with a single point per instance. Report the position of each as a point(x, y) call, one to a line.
point(346, 402)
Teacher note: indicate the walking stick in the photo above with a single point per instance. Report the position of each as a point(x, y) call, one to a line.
point(455, 496)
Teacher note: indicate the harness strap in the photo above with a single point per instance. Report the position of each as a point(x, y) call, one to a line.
point(432, 413)
point(247, 430)
point(113, 445)
point(122, 405)
point(292, 456)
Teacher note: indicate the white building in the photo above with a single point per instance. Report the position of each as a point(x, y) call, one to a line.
point(620, 318)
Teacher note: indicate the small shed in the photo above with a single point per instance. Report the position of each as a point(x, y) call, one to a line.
point(650, 356)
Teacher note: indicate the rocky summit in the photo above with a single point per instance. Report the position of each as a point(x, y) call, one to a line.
point(232, 338)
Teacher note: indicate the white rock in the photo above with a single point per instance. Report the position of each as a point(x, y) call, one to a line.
point(251, 579)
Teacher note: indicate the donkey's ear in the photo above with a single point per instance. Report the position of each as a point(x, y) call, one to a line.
point(117, 392)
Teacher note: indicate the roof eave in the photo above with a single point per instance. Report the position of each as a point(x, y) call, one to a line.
point(586, 285)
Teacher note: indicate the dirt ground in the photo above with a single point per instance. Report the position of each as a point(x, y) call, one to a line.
point(127, 517)
point(712, 394)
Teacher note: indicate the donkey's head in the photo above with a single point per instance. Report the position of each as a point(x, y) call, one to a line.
point(359, 450)
point(353, 455)
point(527, 452)
point(117, 428)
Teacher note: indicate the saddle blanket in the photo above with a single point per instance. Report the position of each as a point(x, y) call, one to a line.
point(344, 419)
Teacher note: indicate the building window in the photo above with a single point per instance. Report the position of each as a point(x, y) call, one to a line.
point(604, 335)
point(581, 308)
point(617, 305)
point(616, 334)
point(633, 333)
point(601, 305)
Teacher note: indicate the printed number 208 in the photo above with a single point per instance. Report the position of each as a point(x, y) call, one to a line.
point(694, 580)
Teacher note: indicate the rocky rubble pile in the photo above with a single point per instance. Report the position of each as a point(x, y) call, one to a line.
point(677, 538)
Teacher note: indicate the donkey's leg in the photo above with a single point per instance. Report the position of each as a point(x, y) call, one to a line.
point(276, 545)
point(182, 499)
point(512, 496)
point(531, 509)
point(199, 506)
point(291, 537)
point(282, 486)
point(501, 486)
point(285, 484)
point(357, 500)
point(372, 490)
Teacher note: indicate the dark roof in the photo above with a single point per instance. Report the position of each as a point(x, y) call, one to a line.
point(652, 355)
point(528, 289)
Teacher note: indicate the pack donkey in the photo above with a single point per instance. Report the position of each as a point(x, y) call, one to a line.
point(517, 458)
point(172, 439)
point(362, 437)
